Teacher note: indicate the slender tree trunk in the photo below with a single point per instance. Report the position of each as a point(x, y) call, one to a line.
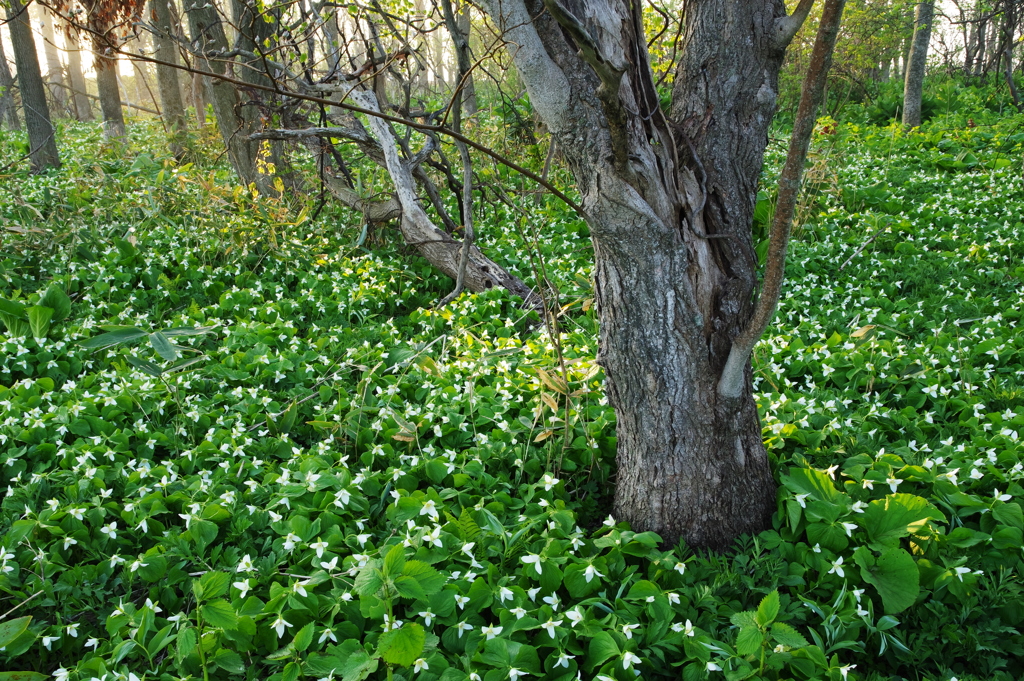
point(41, 134)
point(469, 103)
point(208, 35)
point(8, 109)
point(54, 69)
point(167, 76)
point(913, 88)
point(110, 95)
point(79, 87)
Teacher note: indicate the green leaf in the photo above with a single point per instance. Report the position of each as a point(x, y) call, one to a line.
point(888, 520)
point(408, 587)
point(145, 366)
point(303, 638)
point(56, 299)
point(368, 581)
point(768, 610)
point(813, 482)
point(1009, 514)
point(12, 308)
point(895, 576)
point(214, 584)
point(187, 331)
point(602, 648)
point(394, 561)
point(643, 589)
point(747, 618)
point(229, 661)
point(163, 346)
point(105, 340)
point(16, 327)
point(23, 676)
point(219, 614)
point(748, 641)
point(787, 635)
point(186, 644)
point(12, 629)
point(39, 320)
point(430, 579)
point(402, 646)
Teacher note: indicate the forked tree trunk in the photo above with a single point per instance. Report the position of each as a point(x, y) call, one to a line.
point(670, 202)
point(41, 134)
point(110, 95)
point(913, 88)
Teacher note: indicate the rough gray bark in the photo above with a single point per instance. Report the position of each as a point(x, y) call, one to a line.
point(41, 134)
point(167, 75)
point(913, 88)
point(8, 109)
point(79, 89)
point(110, 94)
point(670, 202)
point(54, 69)
point(208, 37)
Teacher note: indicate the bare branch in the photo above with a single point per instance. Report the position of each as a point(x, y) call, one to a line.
point(787, 27)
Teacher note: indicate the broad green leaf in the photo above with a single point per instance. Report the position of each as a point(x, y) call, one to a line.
point(746, 618)
point(787, 635)
point(394, 561)
point(408, 587)
point(1009, 514)
point(12, 308)
point(813, 482)
point(23, 676)
point(186, 643)
point(602, 648)
point(402, 646)
point(56, 299)
point(644, 589)
point(368, 581)
point(768, 610)
point(303, 638)
point(111, 338)
point(12, 629)
point(229, 661)
point(17, 327)
point(153, 568)
point(895, 576)
point(214, 584)
point(575, 581)
point(888, 520)
point(39, 320)
point(187, 331)
point(748, 641)
point(219, 613)
point(163, 346)
point(430, 579)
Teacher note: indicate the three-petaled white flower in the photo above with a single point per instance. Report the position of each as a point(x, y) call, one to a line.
point(279, 625)
point(419, 665)
point(242, 586)
point(629, 659)
point(491, 632)
point(563, 660)
point(837, 567)
point(590, 572)
point(462, 627)
point(534, 560)
point(628, 629)
point(550, 625)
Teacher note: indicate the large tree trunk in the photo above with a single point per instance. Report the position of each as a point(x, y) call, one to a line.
point(41, 134)
point(208, 36)
point(110, 95)
point(913, 88)
point(79, 88)
point(167, 76)
point(54, 69)
point(8, 110)
point(669, 201)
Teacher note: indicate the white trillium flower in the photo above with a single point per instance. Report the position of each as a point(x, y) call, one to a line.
point(590, 572)
point(563, 660)
point(629, 659)
point(628, 629)
point(837, 567)
point(550, 625)
point(535, 560)
point(419, 665)
point(279, 625)
point(491, 632)
point(520, 613)
point(463, 627)
point(575, 616)
point(505, 594)
point(552, 600)
point(427, 616)
point(680, 568)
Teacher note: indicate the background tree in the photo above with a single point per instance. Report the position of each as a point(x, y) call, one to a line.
point(58, 86)
point(80, 101)
point(8, 106)
point(41, 133)
point(107, 22)
point(166, 51)
point(914, 85)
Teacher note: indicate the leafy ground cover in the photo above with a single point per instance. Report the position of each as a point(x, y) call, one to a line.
point(237, 445)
